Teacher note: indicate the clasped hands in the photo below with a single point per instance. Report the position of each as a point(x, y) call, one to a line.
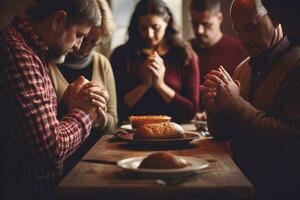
point(88, 96)
point(218, 90)
point(153, 71)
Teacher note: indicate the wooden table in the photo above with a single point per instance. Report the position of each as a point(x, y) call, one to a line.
point(97, 176)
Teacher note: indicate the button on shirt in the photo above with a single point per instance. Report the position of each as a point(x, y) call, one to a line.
point(34, 143)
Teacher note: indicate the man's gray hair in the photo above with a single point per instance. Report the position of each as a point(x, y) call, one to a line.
point(79, 11)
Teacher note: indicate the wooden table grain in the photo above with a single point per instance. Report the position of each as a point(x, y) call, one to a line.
point(97, 176)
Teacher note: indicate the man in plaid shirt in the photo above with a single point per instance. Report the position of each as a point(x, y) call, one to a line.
point(34, 143)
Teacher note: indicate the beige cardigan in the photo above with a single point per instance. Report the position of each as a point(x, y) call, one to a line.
point(102, 72)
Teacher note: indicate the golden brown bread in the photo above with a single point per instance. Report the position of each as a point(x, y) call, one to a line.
point(166, 130)
point(162, 160)
point(137, 121)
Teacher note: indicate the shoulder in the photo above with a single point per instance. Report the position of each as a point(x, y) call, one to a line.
point(119, 51)
point(231, 41)
point(291, 59)
point(100, 57)
point(12, 43)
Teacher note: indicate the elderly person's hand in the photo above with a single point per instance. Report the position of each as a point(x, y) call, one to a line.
point(97, 95)
point(87, 96)
point(208, 95)
point(225, 87)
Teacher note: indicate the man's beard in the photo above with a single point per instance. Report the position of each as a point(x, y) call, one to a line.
point(57, 55)
point(60, 60)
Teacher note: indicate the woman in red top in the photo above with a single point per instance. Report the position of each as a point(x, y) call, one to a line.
point(155, 72)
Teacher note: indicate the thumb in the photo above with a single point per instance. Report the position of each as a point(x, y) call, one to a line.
point(79, 82)
point(238, 83)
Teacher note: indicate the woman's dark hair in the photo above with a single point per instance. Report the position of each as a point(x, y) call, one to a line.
point(79, 11)
point(154, 7)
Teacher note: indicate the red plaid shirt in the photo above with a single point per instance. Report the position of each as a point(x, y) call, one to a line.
point(34, 143)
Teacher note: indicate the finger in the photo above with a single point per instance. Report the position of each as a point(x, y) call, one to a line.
point(214, 78)
point(93, 96)
point(97, 90)
point(212, 72)
point(159, 59)
point(204, 89)
point(160, 68)
point(227, 75)
point(154, 71)
point(103, 93)
point(99, 104)
point(79, 82)
point(238, 83)
point(155, 65)
point(101, 113)
point(91, 84)
point(209, 95)
point(210, 83)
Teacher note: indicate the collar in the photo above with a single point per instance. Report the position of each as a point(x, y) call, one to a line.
point(33, 40)
point(263, 62)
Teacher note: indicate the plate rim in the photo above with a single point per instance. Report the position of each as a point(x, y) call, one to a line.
point(196, 136)
point(187, 169)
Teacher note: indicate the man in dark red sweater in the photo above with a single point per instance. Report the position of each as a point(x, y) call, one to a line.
point(212, 46)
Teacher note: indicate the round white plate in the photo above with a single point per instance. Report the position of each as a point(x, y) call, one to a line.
point(127, 127)
point(132, 164)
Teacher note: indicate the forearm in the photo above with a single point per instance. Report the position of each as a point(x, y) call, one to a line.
point(166, 92)
point(278, 130)
point(132, 97)
point(106, 124)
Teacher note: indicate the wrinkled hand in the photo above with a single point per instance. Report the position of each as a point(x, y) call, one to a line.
point(158, 69)
point(96, 95)
point(225, 88)
point(208, 95)
point(87, 96)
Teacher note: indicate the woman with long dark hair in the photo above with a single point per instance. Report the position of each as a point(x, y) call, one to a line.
point(155, 72)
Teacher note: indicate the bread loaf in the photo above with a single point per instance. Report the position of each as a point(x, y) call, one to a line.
point(137, 121)
point(166, 130)
point(163, 160)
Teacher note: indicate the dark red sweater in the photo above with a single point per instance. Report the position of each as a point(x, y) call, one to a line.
point(228, 52)
point(183, 78)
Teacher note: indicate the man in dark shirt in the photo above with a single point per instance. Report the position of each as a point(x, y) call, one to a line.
point(258, 108)
point(213, 48)
point(33, 142)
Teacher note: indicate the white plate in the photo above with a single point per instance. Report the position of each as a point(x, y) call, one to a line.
point(127, 127)
point(132, 164)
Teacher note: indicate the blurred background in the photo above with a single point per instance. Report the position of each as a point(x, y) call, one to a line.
point(122, 10)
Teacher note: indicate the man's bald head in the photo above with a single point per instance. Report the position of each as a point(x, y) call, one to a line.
point(256, 30)
point(248, 7)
